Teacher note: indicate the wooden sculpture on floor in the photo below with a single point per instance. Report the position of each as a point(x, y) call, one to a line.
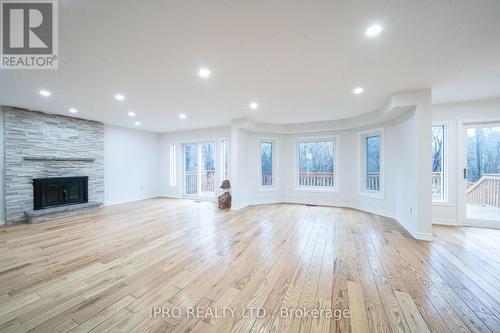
point(225, 198)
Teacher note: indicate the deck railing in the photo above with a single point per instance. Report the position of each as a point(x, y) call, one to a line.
point(486, 191)
point(319, 179)
point(437, 185)
point(267, 179)
point(207, 182)
point(373, 181)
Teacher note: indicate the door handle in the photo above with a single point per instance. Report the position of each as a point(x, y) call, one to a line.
point(465, 173)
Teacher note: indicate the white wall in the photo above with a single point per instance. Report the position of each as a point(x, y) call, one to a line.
point(453, 115)
point(406, 125)
point(131, 165)
point(404, 196)
point(348, 192)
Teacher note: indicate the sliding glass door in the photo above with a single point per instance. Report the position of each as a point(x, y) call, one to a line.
point(199, 170)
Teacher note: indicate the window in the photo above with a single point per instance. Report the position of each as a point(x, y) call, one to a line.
point(199, 169)
point(226, 148)
point(438, 163)
point(372, 163)
point(316, 164)
point(266, 163)
point(173, 164)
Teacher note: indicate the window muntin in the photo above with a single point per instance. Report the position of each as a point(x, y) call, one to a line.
point(372, 168)
point(316, 164)
point(266, 163)
point(438, 163)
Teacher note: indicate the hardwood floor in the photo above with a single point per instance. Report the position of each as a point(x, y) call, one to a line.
point(105, 271)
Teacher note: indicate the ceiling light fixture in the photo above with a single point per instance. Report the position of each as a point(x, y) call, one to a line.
point(137, 123)
point(119, 97)
point(182, 116)
point(358, 90)
point(131, 114)
point(253, 106)
point(373, 30)
point(204, 73)
point(45, 93)
point(73, 110)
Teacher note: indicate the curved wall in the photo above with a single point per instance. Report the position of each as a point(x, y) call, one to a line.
point(406, 124)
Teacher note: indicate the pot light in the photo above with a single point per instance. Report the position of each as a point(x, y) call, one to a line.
point(253, 105)
point(137, 123)
point(182, 116)
point(373, 30)
point(73, 110)
point(131, 114)
point(358, 90)
point(45, 93)
point(119, 97)
point(204, 73)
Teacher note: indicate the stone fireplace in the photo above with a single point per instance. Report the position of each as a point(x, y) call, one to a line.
point(40, 147)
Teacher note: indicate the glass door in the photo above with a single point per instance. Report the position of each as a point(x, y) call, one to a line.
point(199, 170)
point(481, 175)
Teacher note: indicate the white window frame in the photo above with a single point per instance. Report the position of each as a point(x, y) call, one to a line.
point(363, 191)
point(445, 186)
point(173, 164)
point(274, 150)
point(336, 165)
point(222, 161)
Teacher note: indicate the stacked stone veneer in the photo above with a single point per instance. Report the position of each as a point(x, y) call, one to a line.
point(35, 134)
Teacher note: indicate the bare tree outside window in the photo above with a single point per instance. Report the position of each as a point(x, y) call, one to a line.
point(266, 163)
point(438, 185)
point(316, 164)
point(483, 173)
point(373, 163)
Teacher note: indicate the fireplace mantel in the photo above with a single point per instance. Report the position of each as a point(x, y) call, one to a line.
point(58, 159)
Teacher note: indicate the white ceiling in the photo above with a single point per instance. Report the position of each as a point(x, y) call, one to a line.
point(299, 59)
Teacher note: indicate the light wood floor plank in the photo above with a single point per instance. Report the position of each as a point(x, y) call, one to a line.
point(103, 272)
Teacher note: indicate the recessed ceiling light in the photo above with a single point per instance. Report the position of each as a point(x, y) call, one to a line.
point(131, 114)
point(373, 30)
point(73, 110)
point(253, 105)
point(119, 97)
point(182, 116)
point(45, 93)
point(358, 90)
point(137, 123)
point(204, 73)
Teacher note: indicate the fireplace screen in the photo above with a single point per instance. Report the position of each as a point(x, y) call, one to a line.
point(59, 191)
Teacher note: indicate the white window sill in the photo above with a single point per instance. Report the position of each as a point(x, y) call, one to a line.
point(316, 189)
point(442, 203)
point(372, 195)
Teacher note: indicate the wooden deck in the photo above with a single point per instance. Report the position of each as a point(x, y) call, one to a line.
point(104, 271)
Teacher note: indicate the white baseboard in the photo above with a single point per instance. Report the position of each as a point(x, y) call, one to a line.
point(417, 235)
point(424, 236)
point(444, 222)
point(375, 211)
point(239, 207)
point(171, 196)
point(118, 202)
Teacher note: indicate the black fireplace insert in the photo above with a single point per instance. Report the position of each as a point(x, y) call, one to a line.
point(59, 191)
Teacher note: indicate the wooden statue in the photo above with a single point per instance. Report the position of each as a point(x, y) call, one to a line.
point(225, 198)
